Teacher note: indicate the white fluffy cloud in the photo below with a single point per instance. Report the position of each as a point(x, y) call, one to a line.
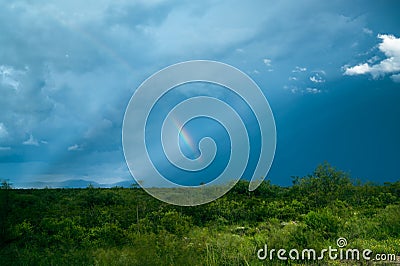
point(317, 78)
point(3, 131)
point(299, 90)
point(313, 90)
point(303, 81)
point(299, 69)
point(267, 62)
point(358, 70)
point(396, 78)
point(9, 76)
point(75, 147)
point(368, 31)
point(390, 46)
point(31, 141)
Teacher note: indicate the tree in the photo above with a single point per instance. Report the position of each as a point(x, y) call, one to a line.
point(5, 185)
point(4, 210)
point(325, 185)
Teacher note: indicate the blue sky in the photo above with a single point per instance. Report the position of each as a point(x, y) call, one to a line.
point(330, 71)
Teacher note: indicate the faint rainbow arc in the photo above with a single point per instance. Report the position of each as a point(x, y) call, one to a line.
point(184, 134)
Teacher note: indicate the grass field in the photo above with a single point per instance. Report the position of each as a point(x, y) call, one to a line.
point(120, 226)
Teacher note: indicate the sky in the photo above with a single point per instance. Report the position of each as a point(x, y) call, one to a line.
point(330, 72)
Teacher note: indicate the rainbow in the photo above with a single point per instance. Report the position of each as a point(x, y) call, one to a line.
point(185, 136)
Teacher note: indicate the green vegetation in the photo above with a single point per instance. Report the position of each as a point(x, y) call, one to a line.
point(120, 226)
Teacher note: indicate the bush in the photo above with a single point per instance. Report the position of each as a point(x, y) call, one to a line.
point(323, 222)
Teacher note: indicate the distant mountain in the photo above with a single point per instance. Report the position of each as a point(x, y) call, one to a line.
point(72, 183)
point(79, 183)
point(30, 185)
point(123, 184)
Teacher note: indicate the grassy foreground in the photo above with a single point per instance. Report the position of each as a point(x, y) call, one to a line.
point(120, 226)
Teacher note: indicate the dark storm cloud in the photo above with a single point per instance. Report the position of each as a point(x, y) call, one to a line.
point(68, 68)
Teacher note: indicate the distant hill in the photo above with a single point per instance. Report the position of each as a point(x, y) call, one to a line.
point(72, 183)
